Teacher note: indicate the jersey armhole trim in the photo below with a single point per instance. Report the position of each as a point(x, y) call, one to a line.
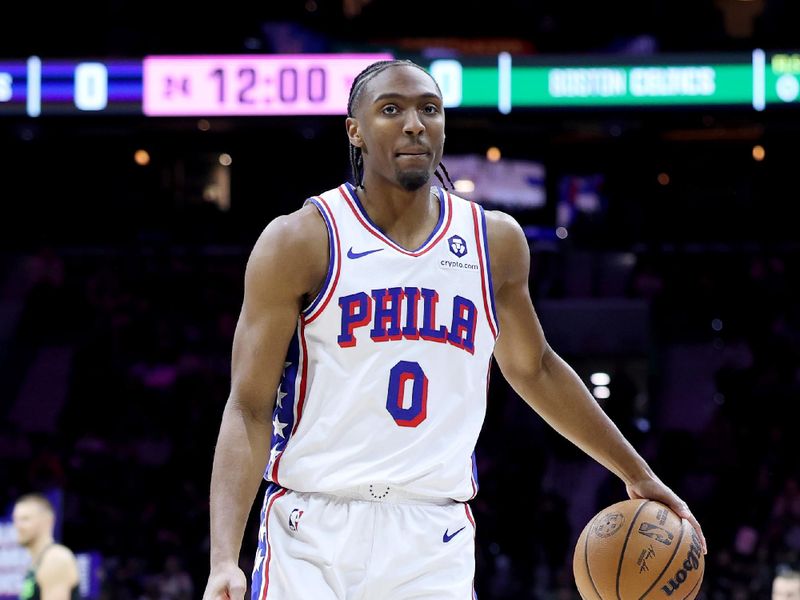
point(334, 262)
point(479, 220)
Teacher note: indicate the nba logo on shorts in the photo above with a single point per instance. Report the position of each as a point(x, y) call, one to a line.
point(457, 245)
point(294, 518)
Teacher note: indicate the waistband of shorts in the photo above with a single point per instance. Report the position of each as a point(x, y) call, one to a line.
point(389, 494)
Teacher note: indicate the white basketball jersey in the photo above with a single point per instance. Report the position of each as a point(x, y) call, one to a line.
point(385, 380)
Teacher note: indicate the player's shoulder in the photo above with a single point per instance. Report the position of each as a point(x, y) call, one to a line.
point(502, 228)
point(59, 567)
point(57, 557)
point(302, 230)
point(292, 248)
point(509, 251)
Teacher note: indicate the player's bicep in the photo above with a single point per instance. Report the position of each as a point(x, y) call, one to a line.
point(262, 336)
point(57, 575)
point(521, 343)
point(281, 271)
point(57, 590)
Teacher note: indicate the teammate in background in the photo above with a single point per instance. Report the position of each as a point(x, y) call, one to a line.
point(54, 571)
point(786, 585)
point(375, 311)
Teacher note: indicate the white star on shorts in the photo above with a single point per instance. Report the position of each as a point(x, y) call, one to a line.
point(278, 427)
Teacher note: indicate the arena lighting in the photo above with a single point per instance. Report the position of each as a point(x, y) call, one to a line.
point(225, 159)
point(601, 392)
point(464, 186)
point(141, 157)
point(561, 233)
point(759, 153)
point(600, 378)
point(493, 154)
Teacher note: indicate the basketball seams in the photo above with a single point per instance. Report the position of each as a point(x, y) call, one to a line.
point(625, 543)
point(667, 565)
point(586, 556)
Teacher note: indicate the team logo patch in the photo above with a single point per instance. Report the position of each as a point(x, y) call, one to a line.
point(294, 519)
point(457, 245)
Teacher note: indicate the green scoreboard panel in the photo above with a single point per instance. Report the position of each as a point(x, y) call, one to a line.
point(507, 83)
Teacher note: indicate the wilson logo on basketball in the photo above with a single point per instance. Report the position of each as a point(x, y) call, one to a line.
point(692, 563)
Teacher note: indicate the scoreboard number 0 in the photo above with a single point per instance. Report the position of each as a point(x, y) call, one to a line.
point(91, 86)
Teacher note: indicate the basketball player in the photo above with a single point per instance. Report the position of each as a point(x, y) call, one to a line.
point(374, 311)
point(54, 571)
point(786, 585)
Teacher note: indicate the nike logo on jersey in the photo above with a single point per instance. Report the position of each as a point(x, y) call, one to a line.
point(351, 254)
point(446, 538)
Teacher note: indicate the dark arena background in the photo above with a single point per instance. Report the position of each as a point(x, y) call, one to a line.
point(648, 148)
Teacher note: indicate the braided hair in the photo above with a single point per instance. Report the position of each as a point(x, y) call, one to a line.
point(356, 159)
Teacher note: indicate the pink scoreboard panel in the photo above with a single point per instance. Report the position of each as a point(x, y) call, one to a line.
point(231, 85)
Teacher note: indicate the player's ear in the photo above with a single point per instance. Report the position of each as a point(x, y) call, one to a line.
point(351, 124)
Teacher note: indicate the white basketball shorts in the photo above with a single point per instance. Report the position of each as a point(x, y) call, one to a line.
point(387, 547)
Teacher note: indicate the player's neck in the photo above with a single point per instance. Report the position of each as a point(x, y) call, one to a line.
point(406, 217)
point(38, 546)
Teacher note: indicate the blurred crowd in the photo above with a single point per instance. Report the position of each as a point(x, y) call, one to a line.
point(144, 337)
point(571, 26)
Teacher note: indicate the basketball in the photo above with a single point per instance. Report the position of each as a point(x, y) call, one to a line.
point(638, 549)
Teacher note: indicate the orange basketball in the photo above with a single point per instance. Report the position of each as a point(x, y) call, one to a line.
point(638, 550)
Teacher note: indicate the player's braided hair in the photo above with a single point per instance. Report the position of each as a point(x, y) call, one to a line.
point(356, 160)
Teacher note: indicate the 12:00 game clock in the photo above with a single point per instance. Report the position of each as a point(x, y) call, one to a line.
point(231, 85)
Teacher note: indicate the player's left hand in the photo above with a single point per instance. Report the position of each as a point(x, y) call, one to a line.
point(654, 489)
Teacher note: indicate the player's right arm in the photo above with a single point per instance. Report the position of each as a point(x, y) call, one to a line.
point(285, 268)
point(57, 574)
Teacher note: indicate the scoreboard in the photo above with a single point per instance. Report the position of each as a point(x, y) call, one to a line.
point(37, 87)
point(250, 85)
point(319, 84)
point(230, 85)
point(746, 80)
